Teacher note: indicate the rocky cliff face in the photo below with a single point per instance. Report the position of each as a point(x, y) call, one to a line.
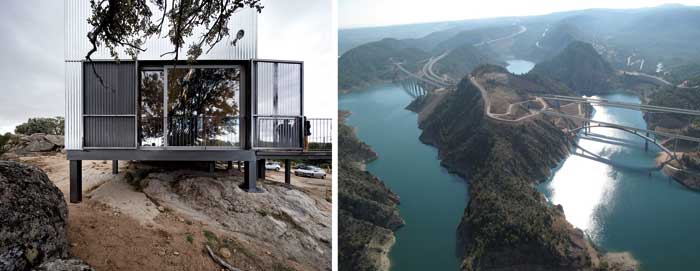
point(368, 212)
point(507, 224)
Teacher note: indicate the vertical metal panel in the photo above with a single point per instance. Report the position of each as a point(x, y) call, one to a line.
point(278, 89)
point(118, 94)
point(74, 105)
point(109, 132)
point(109, 107)
point(76, 44)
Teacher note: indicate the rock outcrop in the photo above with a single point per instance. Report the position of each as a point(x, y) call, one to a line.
point(34, 213)
point(37, 143)
point(280, 220)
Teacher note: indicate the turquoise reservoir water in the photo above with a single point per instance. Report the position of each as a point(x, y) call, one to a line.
point(432, 200)
point(628, 206)
point(519, 66)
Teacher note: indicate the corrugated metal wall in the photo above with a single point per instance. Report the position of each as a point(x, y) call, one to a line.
point(118, 94)
point(77, 45)
point(110, 106)
point(110, 132)
point(74, 105)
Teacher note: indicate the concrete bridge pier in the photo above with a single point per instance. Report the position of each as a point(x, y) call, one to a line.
point(646, 143)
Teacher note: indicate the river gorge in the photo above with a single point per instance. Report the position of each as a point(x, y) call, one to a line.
point(432, 200)
point(626, 205)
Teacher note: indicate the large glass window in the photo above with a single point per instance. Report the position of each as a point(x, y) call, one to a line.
point(203, 106)
point(151, 129)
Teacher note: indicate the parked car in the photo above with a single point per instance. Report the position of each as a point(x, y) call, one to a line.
point(273, 166)
point(310, 171)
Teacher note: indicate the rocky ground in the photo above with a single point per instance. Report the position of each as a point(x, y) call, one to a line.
point(686, 171)
point(147, 218)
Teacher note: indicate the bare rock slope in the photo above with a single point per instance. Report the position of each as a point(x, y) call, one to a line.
point(281, 220)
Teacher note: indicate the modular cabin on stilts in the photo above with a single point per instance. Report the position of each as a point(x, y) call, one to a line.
point(226, 106)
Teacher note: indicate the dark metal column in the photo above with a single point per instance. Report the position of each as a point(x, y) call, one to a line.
point(229, 165)
point(115, 167)
point(250, 177)
point(287, 172)
point(212, 167)
point(76, 181)
point(261, 169)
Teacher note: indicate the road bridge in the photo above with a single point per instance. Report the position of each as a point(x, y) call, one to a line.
point(645, 134)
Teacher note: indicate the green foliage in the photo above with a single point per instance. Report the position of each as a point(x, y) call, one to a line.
point(128, 24)
point(373, 62)
point(51, 126)
point(4, 139)
point(681, 73)
point(211, 237)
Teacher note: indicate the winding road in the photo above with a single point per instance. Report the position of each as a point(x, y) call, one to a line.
point(663, 81)
point(520, 31)
point(499, 117)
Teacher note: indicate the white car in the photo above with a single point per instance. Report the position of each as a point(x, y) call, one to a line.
point(310, 171)
point(273, 166)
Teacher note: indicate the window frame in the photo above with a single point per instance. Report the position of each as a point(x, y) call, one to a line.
point(164, 68)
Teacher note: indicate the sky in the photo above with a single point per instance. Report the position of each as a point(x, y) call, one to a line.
point(32, 76)
point(361, 13)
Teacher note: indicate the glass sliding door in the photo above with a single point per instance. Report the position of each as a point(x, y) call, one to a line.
point(203, 106)
point(151, 117)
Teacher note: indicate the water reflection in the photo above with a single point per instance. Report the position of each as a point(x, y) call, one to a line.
point(584, 187)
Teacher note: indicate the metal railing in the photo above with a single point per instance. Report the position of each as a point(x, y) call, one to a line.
point(277, 132)
point(287, 133)
point(321, 138)
point(191, 132)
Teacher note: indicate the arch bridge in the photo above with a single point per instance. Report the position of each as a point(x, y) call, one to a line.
point(649, 136)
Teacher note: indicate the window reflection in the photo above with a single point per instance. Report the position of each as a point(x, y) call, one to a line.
point(152, 108)
point(203, 106)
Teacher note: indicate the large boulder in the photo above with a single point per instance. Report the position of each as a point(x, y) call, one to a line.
point(34, 214)
point(38, 143)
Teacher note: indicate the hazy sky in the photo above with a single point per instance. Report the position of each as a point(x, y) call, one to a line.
point(353, 13)
point(31, 71)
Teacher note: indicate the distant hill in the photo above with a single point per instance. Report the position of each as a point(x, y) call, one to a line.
point(580, 68)
point(373, 63)
point(462, 60)
point(475, 36)
point(556, 39)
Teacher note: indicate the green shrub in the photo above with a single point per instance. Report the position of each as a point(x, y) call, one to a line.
point(51, 126)
point(4, 139)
